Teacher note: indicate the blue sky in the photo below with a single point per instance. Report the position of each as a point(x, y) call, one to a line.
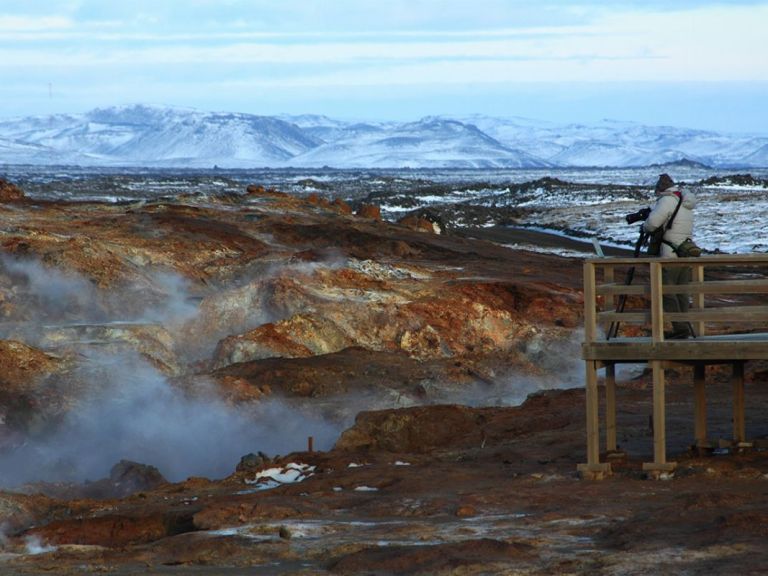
point(682, 63)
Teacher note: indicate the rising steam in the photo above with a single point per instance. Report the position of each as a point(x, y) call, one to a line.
point(135, 414)
point(131, 411)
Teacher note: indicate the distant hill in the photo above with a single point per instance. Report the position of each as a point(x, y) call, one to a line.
point(141, 135)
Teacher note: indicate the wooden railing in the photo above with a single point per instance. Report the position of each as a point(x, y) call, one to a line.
point(722, 290)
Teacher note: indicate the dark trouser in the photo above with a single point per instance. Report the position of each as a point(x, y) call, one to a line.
point(676, 302)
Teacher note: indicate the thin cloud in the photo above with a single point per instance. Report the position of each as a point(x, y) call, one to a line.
point(10, 24)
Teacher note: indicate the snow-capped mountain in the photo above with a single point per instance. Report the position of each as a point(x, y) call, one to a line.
point(429, 143)
point(612, 143)
point(142, 135)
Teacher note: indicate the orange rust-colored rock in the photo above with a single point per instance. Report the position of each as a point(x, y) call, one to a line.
point(431, 558)
point(418, 223)
point(413, 430)
point(369, 211)
point(9, 192)
point(113, 530)
point(341, 206)
point(22, 365)
point(318, 200)
point(259, 190)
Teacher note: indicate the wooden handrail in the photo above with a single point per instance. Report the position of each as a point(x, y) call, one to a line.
point(711, 287)
point(720, 314)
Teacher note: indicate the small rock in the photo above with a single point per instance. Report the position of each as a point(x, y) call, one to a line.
point(252, 461)
point(9, 191)
point(466, 511)
point(369, 211)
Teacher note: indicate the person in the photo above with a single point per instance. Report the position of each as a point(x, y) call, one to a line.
point(669, 195)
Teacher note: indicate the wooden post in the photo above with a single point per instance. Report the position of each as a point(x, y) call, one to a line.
point(657, 304)
point(659, 414)
point(593, 468)
point(610, 407)
point(610, 301)
point(700, 405)
point(593, 422)
point(739, 423)
point(698, 298)
point(659, 463)
point(590, 303)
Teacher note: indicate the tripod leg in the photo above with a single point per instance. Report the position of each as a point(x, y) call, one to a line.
point(613, 329)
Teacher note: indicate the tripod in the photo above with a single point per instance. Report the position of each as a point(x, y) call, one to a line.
point(613, 329)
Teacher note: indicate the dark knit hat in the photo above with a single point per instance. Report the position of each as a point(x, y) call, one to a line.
point(664, 182)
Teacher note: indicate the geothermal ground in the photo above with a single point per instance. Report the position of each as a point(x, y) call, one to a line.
point(257, 383)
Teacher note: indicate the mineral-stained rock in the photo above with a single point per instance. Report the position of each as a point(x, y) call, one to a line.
point(369, 211)
point(418, 429)
point(114, 530)
point(9, 191)
point(153, 341)
point(341, 206)
point(20, 511)
point(234, 512)
point(259, 190)
point(447, 427)
point(484, 555)
point(374, 307)
point(22, 366)
point(419, 223)
point(296, 337)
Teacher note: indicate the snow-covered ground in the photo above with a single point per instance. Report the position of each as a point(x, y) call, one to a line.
point(588, 203)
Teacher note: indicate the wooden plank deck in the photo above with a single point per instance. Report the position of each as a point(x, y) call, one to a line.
point(742, 278)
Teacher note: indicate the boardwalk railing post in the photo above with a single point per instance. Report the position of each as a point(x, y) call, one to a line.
point(657, 303)
point(590, 303)
point(698, 297)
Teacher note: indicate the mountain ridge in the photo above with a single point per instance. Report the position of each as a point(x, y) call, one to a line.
point(164, 136)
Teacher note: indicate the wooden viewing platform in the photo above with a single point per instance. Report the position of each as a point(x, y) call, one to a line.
point(725, 290)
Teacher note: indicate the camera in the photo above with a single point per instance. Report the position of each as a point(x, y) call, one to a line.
point(637, 216)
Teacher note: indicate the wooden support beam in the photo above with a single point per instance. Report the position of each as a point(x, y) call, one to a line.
point(739, 423)
point(593, 469)
point(610, 407)
point(593, 422)
point(700, 405)
point(659, 463)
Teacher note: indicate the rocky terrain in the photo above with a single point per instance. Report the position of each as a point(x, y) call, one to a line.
point(258, 383)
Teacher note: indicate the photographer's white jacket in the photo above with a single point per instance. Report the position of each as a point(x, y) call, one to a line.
point(682, 225)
